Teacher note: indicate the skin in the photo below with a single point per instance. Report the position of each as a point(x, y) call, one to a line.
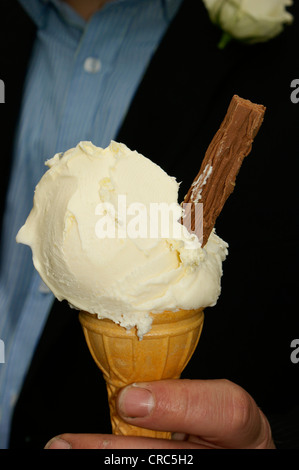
point(202, 414)
point(86, 8)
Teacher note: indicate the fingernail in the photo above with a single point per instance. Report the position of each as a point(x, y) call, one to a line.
point(135, 401)
point(58, 443)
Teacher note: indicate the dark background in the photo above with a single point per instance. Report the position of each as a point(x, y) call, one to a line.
point(176, 112)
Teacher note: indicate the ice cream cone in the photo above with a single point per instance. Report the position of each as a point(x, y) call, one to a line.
point(163, 353)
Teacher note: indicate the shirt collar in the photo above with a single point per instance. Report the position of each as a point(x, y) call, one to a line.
point(37, 10)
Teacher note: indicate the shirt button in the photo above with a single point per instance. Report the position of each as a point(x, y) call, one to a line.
point(92, 65)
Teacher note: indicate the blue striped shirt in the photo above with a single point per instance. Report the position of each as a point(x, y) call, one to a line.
point(81, 79)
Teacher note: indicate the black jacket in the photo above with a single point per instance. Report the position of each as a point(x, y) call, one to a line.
point(173, 117)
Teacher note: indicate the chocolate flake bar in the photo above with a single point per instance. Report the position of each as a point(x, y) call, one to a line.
point(221, 164)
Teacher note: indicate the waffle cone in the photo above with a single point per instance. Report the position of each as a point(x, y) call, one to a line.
point(163, 353)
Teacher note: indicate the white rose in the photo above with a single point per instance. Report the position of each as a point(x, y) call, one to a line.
point(249, 20)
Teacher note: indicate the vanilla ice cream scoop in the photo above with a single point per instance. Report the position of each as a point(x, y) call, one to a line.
point(98, 242)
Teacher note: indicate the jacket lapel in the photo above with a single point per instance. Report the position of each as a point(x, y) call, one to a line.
point(17, 34)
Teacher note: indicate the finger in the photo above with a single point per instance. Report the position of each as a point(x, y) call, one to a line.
point(107, 441)
point(219, 411)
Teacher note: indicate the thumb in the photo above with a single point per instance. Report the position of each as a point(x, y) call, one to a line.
point(217, 411)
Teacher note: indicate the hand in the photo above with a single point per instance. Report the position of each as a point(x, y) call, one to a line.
point(203, 414)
